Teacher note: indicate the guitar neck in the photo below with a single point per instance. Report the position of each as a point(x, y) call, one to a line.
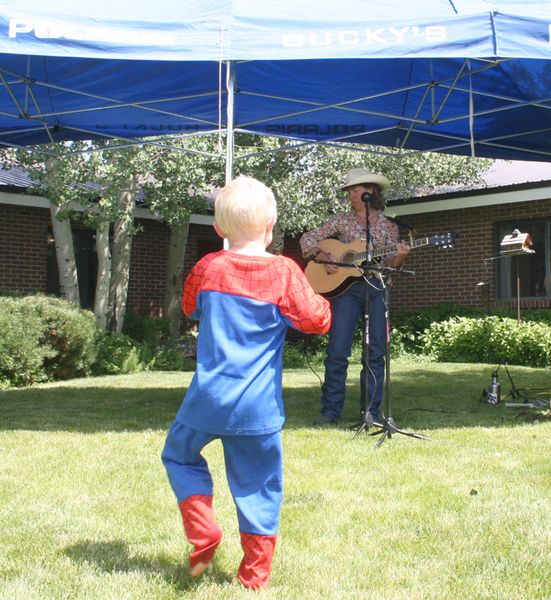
point(384, 250)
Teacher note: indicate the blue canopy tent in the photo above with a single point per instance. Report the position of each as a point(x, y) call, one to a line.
point(457, 76)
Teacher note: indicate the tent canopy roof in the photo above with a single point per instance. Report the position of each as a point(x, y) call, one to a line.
point(459, 76)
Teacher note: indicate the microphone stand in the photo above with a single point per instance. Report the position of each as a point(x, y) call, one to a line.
point(388, 427)
point(364, 381)
point(364, 268)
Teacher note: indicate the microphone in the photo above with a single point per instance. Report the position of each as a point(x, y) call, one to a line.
point(367, 197)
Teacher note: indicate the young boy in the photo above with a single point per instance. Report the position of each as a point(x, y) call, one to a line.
point(244, 299)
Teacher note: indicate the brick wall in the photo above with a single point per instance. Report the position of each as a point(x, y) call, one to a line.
point(24, 254)
point(147, 268)
point(451, 275)
point(23, 248)
point(202, 240)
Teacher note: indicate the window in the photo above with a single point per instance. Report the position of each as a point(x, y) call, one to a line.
point(87, 266)
point(533, 271)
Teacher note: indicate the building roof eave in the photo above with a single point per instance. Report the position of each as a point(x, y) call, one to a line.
point(510, 194)
point(32, 201)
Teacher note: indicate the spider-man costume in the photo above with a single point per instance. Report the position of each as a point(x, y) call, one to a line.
point(244, 305)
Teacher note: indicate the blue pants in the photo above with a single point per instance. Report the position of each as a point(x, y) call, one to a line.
point(346, 310)
point(254, 469)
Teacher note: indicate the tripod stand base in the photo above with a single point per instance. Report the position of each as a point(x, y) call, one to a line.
point(386, 429)
point(536, 403)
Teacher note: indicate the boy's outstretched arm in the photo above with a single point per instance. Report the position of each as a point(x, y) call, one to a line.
point(305, 309)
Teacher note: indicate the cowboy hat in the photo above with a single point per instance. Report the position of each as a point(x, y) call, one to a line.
point(360, 176)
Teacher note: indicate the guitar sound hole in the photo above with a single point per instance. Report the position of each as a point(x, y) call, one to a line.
point(348, 258)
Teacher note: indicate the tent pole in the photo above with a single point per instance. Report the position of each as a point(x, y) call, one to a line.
point(230, 88)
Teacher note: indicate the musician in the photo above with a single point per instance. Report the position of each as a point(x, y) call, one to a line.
point(348, 307)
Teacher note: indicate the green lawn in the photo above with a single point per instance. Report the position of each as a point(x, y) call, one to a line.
point(86, 511)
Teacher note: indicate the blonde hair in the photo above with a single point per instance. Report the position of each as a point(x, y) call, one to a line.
point(244, 205)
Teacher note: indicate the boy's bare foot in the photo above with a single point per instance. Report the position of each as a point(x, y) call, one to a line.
point(200, 568)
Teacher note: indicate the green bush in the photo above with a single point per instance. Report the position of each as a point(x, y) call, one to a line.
point(409, 326)
point(117, 353)
point(409, 335)
point(146, 329)
point(71, 334)
point(22, 353)
point(490, 340)
point(539, 315)
point(302, 350)
point(170, 358)
point(44, 338)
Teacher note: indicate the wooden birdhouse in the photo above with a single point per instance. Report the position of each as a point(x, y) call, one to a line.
point(516, 243)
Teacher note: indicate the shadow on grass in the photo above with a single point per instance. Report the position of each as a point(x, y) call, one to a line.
point(422, 399)
point(114, 556)
point(89, 409)
point(425, 398)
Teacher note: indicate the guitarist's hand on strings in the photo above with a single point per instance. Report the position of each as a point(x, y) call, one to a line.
point(321, 255)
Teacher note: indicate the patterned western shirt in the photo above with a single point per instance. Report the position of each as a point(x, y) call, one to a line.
point(347, 228)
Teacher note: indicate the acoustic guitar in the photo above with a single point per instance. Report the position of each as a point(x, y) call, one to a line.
point(354, 254)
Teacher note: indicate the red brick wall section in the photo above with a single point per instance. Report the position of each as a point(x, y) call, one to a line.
point(23, 255)
point(451, 275)
point(147, 268)
point(448, 275)
point(202, 239)
point(23, 248)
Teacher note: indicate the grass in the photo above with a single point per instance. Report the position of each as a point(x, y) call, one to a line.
point(87, 513)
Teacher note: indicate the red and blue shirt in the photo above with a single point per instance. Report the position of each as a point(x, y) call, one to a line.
point(244, 305)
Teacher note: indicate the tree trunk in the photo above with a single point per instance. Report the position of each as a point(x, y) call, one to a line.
point(103, 251)
point(65, 255)
point(174, 277)
point(122, 247)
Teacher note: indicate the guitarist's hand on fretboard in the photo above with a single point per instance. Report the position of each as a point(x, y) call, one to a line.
point(402, 250)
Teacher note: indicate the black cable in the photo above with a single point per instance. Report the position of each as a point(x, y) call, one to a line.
point(310, 366)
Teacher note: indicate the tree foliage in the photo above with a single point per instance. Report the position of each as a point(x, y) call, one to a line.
point(306, 178)
point(181, 178)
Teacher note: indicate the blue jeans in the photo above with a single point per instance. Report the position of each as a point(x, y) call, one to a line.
point(346, 311)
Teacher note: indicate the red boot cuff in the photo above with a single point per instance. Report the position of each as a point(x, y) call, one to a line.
point(201, 529)
point(254, 571)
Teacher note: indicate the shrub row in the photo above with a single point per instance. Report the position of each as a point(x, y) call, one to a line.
point(409, 326)
point(490, 340)
point(451, 333)
point(45, 338)
point(118, 353)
